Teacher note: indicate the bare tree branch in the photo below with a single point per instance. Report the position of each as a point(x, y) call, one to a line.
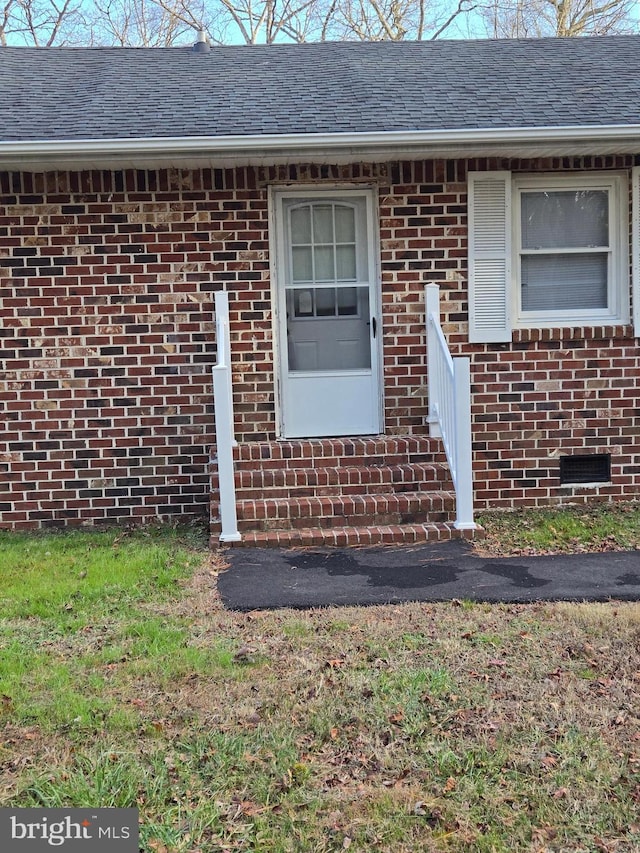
point(6, 15)
point(39, 22)
point(536, 18)
point(464, 8)
point(137, 23)
point(168, 22)
point(61, 12)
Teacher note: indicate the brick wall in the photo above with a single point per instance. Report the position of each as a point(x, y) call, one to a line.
point(550, 392)
point(106, 326)
point(572, 392)
point(106, 340)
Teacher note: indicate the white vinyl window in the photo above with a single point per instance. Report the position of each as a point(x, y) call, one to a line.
point(569, 238)
point(546, 251)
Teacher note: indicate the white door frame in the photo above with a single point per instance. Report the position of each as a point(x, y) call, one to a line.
point(277, 234)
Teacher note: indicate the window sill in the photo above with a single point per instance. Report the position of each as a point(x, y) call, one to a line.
point(573, 333)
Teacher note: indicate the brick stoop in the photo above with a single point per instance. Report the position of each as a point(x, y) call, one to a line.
point(341, 492)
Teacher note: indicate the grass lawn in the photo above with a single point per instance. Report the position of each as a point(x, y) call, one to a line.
point(405, 728)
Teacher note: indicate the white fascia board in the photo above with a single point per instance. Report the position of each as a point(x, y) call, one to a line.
point(282, 146)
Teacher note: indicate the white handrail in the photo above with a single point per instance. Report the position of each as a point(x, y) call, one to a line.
point(450, 408)
point(223, 409)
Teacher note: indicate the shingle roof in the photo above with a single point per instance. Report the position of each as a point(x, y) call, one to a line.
point(346, 87)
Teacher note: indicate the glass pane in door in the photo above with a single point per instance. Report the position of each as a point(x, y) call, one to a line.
point(328, 328)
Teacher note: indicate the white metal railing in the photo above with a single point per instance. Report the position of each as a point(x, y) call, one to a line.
point(223, 409)
point(450, 408)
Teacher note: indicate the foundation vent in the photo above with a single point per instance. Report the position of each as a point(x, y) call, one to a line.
point(588, 468)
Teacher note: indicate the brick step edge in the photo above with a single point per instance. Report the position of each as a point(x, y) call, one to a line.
point(306, 451)
point(330, 506)
point(336, 461)
point(392, 534)
point(341, 511)
point(424, 475)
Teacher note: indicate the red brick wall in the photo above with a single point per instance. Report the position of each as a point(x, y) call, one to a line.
point(106, 340)
point(548, 393)
point(573, 392)
point(106, 327)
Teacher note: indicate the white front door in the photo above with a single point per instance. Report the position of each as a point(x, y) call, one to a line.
point(328, 322)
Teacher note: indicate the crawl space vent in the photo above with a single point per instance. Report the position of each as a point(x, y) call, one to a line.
point(592, 468)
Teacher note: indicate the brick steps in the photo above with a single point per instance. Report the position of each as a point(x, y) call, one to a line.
point(326, 452)
point(341, 492)
point(392, 534)
point(341, 480)
point(345, 510)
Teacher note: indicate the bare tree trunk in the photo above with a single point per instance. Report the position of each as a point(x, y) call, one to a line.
point(566, 18)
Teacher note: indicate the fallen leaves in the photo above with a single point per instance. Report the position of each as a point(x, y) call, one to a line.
point(543, 834)
point(445, 721)
point(450, 785)
point(249, 808)
point(558, 531)
point(245, 654)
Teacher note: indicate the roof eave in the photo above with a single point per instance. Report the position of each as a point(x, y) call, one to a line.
point(274, 149)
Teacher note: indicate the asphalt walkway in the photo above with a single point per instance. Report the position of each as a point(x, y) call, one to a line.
point(302, 578)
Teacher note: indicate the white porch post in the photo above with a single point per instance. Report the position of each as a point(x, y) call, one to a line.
point(432, 304)
point(464, 460)
point(223, 408)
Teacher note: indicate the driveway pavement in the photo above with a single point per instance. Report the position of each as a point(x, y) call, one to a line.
point(310, 577)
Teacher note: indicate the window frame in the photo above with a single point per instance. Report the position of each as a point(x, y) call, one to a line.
point(358, 203)
point(361, 239)
point(616, 186)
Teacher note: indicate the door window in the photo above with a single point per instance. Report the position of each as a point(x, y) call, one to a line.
point(327, 287)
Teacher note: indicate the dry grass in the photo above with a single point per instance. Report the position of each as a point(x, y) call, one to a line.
point(446, 727)
point(568, 530)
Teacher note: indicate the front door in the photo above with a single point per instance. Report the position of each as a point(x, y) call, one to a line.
point(327, 295)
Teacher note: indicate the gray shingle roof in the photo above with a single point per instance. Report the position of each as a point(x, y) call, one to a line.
point(120, 93)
